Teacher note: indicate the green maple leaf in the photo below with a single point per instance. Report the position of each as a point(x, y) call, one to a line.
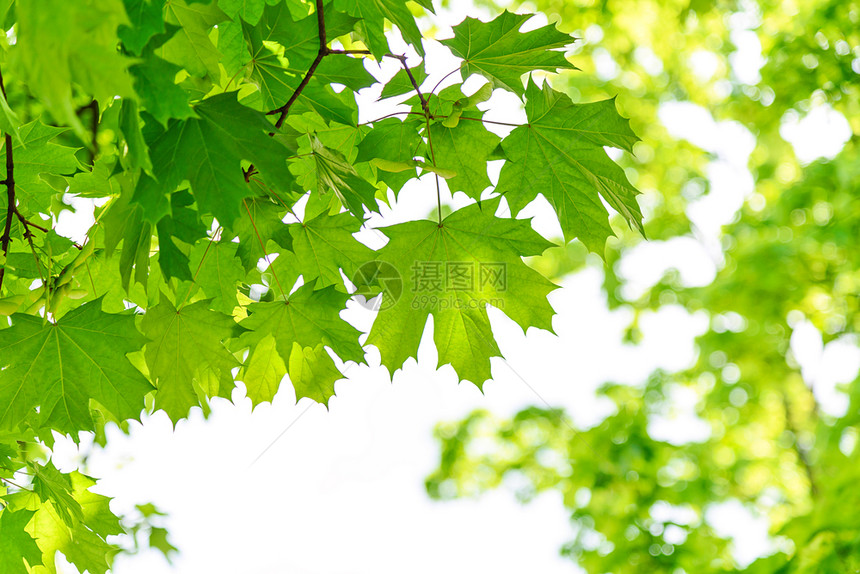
point(191, 47)
point(346, 70)
point(282, 50)
point(465, 150)
point(260, 223)
point(248, 10)
point(53, 486)
point(61, 43)
point(124, 222)
point(264, 371)
point(60, 366)
point(130, 125)
point(17, 547)
point(154, 83)
point(186, 346)
point(35, 155)
point(560, 155)
point(98, 182)
point(9, 122)
point(321, 248)
point(313, 373)
point(145, 21)
point(373, 14)
point(453, 271)
point(309, 318)
point(401, 84)
point(501, 53)
point(83, 544)
point(183, 224)
point(208, 152)
point(391, 146)
point(219, 271)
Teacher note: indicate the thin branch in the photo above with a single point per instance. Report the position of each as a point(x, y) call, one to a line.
point(9, 182)
point(391, 115)
point(350, 52)
point(482, 120)
point(28, 224)
point(445, 77)
point(18, 486)
point(323, 51)
point(402, 59)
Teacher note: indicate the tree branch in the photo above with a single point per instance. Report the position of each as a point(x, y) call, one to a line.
point(402, 59)
point(322, 53)
point(9, 182)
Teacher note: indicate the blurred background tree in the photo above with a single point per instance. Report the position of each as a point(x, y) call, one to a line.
point(783, 231)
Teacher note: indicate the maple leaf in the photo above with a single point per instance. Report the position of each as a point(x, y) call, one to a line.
point(145, 21)
point(313, 373)
point(309, 318)
point(191, 47)
point(60, 366)
point(401, 84)
point(453, 270)
point(373, 13)
point(83, 543)
point(261, 223)
point(186, 347)
point(36, 154)
point(391, 147)
point(321, 248)
point(263, 371)
point(60, 43)
point(219, 270)
point(208, 152)
point(502, 54)
point(18, 550)
point(282, 50)
point(560, 155)
point(249, 10)
point(465, 150)
point(154, 83)
point(53, 486)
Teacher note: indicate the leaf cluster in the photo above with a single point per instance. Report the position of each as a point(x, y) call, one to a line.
point(219, 145)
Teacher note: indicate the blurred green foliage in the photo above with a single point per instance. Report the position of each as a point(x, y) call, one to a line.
point(791, 253)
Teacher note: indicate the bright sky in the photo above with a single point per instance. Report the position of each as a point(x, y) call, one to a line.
point(342, 491)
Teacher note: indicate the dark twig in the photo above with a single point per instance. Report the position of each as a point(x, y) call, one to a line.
point(323, 52)
point(28, 224)
point(9, 182)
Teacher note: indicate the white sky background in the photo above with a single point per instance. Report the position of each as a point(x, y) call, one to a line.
point(343, 491)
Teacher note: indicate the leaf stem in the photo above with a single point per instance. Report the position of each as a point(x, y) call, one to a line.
point(391, 115)
point(433, 159)
point(265, 253)
point(482, 120)
point(199, 267)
